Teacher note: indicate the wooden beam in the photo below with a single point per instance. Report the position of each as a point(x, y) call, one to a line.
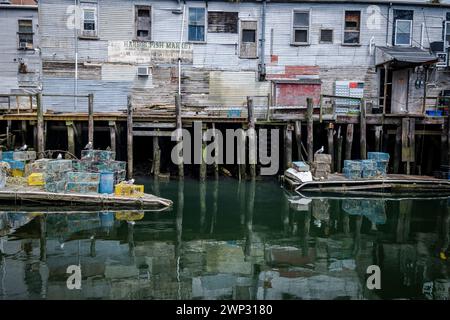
point(179, 127)
point(349, 142)
point(378, 131)
point(252, 157)
point(339, 151)
point(91, 118)
point(112, 134)
point(152, 133)
point(216, 155)
point(398, 148)
point(156, 157)
point(330, 139)
point(288, 147)
point(203, 166)
point(362, 124)
point(129, 138)
point(298, 139)
point(70, 137)
point(155, 125)
point(310, 129)
point(40, 126)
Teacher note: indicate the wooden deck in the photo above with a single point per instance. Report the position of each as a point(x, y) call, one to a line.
point(29, 195)
point(393, 183)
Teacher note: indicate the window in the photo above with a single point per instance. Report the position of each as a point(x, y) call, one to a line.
point(352, 27)
point(143, 22)
point(248, 40)
point(223, 22)
point(196, 24)
point(89, 23)
point(300, 31)
point(403, 30)
point(402, 27)
point(25, 34)
point(326, 36)
point(447, 33)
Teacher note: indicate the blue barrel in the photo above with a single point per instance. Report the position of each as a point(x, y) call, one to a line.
point(106, 182)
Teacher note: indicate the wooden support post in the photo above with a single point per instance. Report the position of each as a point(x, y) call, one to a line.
point(330, 136)
point(91, 118)
point(216, 155)
point(339, 151)
point(363, 143)
point(444, 143)
point(179, 132)
point(241, 156)
point(112, 134)
point(448, 140)
point(412, 143)
point(129, 138)
point(310, 141)
point(408, 142)
point(8, 134)
point(386, 78)
point(156, 157)
point(251, 138)
point(378, 131)
point(202, 205)
point(70, 137)
point(349, 142)
point(23, 131)
point(288, 146)
point(298, 139)
point(398, 149)
point(203, 167)
point(40, 126)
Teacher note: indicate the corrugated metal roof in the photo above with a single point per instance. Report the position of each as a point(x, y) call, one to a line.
point(406, 55)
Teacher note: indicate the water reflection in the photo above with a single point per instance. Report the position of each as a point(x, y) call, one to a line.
point(231, 240)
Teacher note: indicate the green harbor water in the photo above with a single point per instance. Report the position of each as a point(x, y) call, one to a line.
point(230, 240)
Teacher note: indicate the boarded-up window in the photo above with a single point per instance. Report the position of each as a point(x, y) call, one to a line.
point(223, 22)
point(352, 27)
point(25, 34)
point(326, 36)
point(196, 24)
point(248, 43)
point(143, 19)
point(300, 31)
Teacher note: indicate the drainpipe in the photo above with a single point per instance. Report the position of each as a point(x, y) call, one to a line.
point(387, 23)
point(262, 62)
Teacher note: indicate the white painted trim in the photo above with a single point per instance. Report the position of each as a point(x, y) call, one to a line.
point(308, 29)
point(410, 32)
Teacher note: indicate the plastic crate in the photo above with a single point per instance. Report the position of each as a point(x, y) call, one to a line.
point(36, 179)
point(7, 155)
point(128, 190)
point(17, 173)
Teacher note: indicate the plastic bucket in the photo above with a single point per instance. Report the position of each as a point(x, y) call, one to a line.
point(107, 182)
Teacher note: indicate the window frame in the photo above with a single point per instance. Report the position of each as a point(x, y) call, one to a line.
point(410, 32)
point(19, 33)
point(446, 29)
point(83, 33)
point(240, 35)
point(205, 25)
point(136, 8)
point(344, 31)
point(294, 28)
point(332, 36)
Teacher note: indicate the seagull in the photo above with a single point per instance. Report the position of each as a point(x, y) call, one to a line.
point(59, 157)
point(88, 146)
point(131, 223)
point(321, 150)
point(23, 148)
point(108, 149)
point(130, 181)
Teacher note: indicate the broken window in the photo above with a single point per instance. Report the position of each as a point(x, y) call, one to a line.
point(352, 27)
point(25, 34)
point(326, 36)
point(301, 27)
point(143, 23)
point(196, 24)
point(248, 43)
point(89, 21)
point(223, 22)
point(402, 33)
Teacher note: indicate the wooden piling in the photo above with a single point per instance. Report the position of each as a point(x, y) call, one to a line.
point(23, 131)
point(70, 137)
point(378, 131)
point(408, 142)
point(216, 155)
point(179, 132)
point(91, 118)
point(202, 205)
point(251, 138)
point(298, 139)
point(444, 143)
point(40, 126)
point(129, 138)
point(203, 166)
point(9, 135)
point(398, 149)
point(310, 129)
point(112, 134)
point(288, 146)
point(330, 138)
point(349, 142)
point(241, 155)
point(156, 158)
point(363, 143)
point(339, 151)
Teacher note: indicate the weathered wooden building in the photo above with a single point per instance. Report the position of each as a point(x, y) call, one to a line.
point(20, 62)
